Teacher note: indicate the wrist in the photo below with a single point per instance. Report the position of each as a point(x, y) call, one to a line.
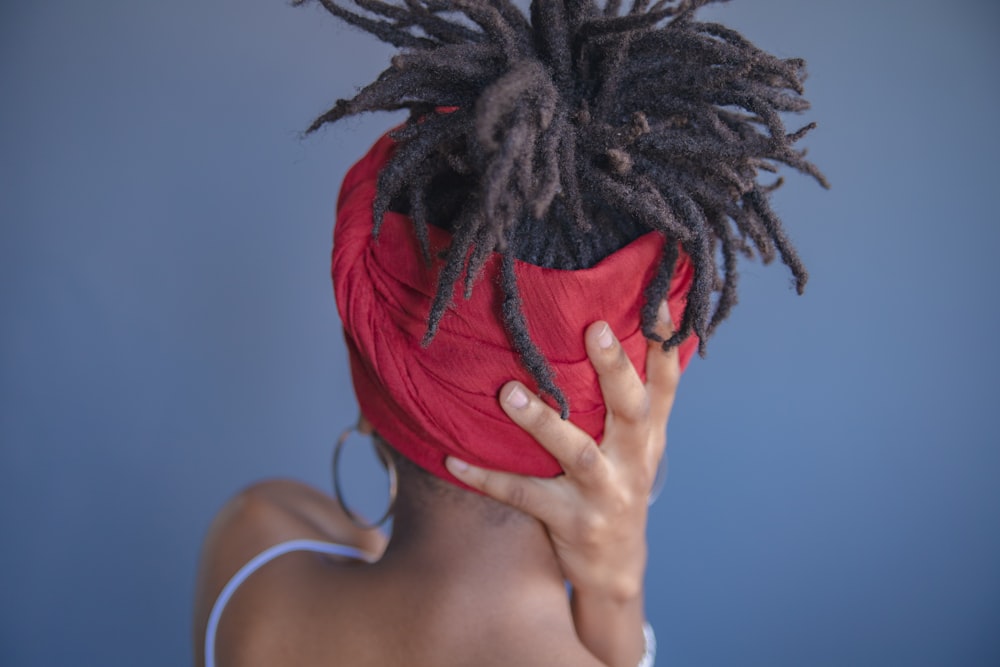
point(611, 627)
point(620, 585)
point(611, 597)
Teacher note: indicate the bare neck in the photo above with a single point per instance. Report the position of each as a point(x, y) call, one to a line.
point(483, 579)
point(456, 539)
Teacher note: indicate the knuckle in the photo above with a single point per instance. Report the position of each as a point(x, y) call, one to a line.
point(540, 420)
point(515, 496)
point(590, 529)
point(620, 363)
point(621, 502)
point(624, 587)
point(612, 362)
point(587, 458)
point(639, 409)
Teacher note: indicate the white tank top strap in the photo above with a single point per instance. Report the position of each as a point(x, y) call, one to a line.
point(255, 564)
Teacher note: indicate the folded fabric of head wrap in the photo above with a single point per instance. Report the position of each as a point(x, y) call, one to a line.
point(439, 400)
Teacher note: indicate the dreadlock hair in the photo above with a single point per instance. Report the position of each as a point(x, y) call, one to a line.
point(572, 131)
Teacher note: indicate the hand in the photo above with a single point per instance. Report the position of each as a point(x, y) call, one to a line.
point(596, 513)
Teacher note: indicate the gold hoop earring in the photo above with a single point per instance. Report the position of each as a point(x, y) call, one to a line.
point(390, 467)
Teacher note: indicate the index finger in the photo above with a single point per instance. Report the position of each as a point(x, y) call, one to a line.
point(575, 450)
point(532, 495)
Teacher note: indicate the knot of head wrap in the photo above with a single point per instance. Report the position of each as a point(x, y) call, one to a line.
point(440, 400)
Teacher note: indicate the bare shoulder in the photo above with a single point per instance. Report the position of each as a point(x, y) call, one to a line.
point(261, 516)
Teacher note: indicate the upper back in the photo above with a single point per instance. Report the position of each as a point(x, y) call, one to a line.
point(308, 608)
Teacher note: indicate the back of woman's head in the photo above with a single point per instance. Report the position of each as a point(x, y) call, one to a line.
point(558, 140)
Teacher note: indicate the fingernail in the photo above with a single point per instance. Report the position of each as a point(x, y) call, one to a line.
point(517, 398)
point(664, 312)
point(456, 465)
point(605, 339)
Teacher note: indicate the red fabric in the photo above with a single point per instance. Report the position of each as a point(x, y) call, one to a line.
point(440, 400)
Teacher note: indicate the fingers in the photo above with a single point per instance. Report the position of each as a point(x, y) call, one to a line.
point(575, 450)
point(531, 495)
point(663, 371)
point(624, 395)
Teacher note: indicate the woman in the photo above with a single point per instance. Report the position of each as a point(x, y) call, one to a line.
point(574, 174)
point(464, 580)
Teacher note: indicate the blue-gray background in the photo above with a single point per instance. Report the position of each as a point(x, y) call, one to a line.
point(168, 333)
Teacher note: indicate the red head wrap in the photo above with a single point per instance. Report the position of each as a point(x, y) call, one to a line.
point(442, 400)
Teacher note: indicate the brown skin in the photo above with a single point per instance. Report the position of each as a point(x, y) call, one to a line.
point(596, 513)
point(452, 588)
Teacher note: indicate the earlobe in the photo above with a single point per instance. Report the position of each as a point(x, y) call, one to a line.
point(365, 426)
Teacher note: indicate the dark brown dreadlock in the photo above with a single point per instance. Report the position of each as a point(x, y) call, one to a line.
point(573, 131)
